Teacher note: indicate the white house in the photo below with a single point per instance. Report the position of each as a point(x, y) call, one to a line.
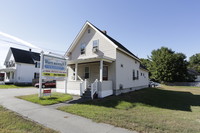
point(99, 64)
point(21, 66)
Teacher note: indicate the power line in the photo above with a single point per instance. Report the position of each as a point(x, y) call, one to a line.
point(30, 47)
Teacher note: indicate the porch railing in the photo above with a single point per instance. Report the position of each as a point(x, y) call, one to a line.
point(94, 88)
point(83, 86)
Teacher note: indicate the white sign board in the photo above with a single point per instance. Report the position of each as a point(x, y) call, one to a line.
point(54, 68)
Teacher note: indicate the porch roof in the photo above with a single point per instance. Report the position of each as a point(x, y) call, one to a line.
point(7, 70)
point(91, 59)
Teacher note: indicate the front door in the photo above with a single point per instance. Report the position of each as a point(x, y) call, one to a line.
point(105, 72)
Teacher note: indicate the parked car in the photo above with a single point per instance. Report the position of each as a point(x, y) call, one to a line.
point(153, 84)
point(47, 84)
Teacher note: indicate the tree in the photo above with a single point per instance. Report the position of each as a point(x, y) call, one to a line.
point(168, 66)
point(194, 62)
point(147, 64)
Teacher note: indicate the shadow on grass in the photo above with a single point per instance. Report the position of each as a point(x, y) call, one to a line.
point(48, 98)
point(174, 100)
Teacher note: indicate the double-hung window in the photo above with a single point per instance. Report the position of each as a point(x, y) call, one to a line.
point(83, 48)
point(134, 74)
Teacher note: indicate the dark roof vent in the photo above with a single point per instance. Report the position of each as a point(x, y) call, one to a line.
point(104, 31)
point(30, 49)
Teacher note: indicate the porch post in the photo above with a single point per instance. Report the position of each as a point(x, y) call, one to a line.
point(101, 71)
point(76, 70)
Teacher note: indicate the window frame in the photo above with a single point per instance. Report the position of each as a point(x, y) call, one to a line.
point(83, 48)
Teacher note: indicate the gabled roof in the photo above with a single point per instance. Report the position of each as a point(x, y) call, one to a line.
point(119, 45)
point(114, 42)
point(23, 56)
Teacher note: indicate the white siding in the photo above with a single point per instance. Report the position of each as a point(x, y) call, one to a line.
point(72, 87)
point(124, 75)
point(25, 72)
point(105, 47)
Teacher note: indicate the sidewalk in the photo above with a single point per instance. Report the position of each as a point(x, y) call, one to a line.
point(52, 118)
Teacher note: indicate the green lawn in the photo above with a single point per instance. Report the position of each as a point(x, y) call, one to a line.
point(153, 110)
point(47, 100)
point(13, 86)
point(10, 122)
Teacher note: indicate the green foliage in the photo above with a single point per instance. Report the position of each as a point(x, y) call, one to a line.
point(147, 63)
point(194, 62)
point(47, 100)
point(167, 66)
point(13, 86)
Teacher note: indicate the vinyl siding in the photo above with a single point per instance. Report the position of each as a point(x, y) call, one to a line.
point(124, 75)
point(25, 72)
point(105, 46)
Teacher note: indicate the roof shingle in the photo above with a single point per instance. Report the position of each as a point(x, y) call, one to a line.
point(24, 56)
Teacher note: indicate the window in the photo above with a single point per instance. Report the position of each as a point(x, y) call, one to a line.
point(83, 48)
point(105, 72)
point(87, 73)
point(134, 74)
point(141, 74)
point(37, 64)
point(36, 75)
point(88, 30)
point(95, 43)
point(73, 73)
point(122, 65)
point(121, 86)
point(137, 74)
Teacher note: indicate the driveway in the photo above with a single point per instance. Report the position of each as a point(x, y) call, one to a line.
point(50, 117)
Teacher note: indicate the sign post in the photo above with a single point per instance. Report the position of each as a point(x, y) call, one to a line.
point(40, 78)
point(52, 68)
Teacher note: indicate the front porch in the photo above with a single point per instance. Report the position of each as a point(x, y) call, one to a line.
point(9, 76)
point(95, 75)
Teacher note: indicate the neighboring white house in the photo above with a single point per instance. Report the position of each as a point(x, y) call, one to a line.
point(21, 66)
point(98, 62)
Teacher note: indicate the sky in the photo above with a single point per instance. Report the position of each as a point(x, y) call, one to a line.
point(140, 25)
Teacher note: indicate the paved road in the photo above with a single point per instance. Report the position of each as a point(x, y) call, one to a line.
point(52, 118)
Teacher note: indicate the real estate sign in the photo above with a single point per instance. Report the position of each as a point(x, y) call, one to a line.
point(54, 68)
point(46, 92)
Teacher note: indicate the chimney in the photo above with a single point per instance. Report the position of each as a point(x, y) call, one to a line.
point(104, 31)
point(30, 49)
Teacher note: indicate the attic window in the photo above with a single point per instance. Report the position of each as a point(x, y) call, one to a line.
point(95, 45)
point(88, 31)
point(122, 65)
point(82, 48)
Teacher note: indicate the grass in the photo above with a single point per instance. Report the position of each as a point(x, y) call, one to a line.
point(10, 122)
point(13, 86)
point(47, 100)
point(154, 110)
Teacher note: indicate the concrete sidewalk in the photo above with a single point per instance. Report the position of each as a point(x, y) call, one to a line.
point(52, 118)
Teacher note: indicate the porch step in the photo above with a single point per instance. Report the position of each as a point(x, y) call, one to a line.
point(87, 94)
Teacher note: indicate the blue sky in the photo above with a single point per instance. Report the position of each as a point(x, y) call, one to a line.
point(140, 25)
